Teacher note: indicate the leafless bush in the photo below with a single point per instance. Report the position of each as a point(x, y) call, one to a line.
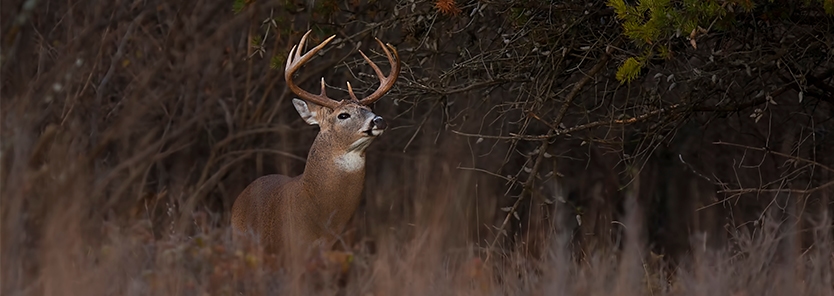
point(516, 164)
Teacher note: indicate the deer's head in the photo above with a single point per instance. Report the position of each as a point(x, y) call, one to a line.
point(349, 124)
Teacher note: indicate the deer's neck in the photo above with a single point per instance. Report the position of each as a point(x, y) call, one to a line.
point(333, 180)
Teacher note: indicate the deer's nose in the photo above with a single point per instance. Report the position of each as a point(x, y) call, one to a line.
point(379, 123)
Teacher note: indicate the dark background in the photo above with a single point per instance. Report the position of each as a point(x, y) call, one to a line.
point(145, 119)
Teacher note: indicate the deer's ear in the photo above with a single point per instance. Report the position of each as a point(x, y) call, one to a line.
point(309, 111)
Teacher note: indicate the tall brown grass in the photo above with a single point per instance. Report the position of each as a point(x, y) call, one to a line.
point(128, 128)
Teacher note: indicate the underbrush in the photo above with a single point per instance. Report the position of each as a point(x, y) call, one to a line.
point(128, 129)
point(130, 262)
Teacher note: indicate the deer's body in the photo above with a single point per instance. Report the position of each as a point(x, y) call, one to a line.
point(311, 206)
point(312, 209)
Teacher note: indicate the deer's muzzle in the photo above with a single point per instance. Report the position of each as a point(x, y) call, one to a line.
point(379, 123)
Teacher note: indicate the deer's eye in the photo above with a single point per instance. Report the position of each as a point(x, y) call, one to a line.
point(344, 116)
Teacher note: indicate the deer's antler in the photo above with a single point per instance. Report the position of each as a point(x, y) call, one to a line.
point(385, 82)
point(295, 60)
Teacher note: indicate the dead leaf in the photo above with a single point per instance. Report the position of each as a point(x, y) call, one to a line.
point(692, 38)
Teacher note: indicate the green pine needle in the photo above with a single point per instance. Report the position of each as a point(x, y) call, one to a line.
point(629, 70)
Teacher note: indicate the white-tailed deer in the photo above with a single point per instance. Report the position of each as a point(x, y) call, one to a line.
point(311, 210)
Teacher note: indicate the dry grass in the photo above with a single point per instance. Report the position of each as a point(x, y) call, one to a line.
point(129, 128)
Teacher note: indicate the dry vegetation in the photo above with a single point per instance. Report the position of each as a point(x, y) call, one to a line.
point(516, 162)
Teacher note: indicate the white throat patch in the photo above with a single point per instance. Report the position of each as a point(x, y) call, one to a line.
point(351, 161)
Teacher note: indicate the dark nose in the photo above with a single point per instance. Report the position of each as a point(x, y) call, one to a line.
point(379, 123)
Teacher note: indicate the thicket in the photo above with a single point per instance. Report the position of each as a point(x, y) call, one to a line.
point(571, 147)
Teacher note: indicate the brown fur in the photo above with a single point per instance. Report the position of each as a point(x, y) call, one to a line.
point(291, 216)
point(316, 205)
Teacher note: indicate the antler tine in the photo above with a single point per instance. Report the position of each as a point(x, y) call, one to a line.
point(295, 60)
point(385, 83)
point(350, 91)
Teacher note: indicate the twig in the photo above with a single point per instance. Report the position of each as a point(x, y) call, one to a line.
point(205, 185)
point(765, 150)
point(738, 192)
point(419, 127)
point(116, 58)
point(558, 132)
point(508, 179)
point(543, 148)
point(100, 89)
point(469, 87)
point(511, 137)
point(632, 120)
point(778, 190)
